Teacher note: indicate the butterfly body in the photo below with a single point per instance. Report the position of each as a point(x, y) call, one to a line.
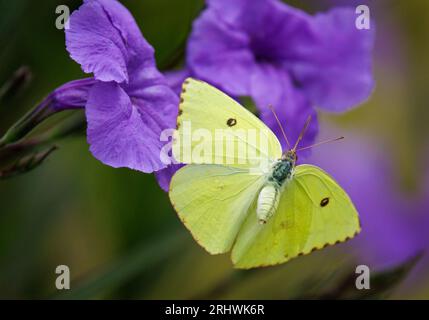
point(283, 168)
point(269, 196)
point(223, 200)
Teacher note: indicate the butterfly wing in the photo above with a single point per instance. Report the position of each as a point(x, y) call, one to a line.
point(209, 120)
point(212, 201)
point(314, 212)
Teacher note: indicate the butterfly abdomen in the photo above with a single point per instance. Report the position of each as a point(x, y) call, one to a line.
point(268, 201)
point(269, 196)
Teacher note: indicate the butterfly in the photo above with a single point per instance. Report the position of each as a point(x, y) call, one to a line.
point(265, 214)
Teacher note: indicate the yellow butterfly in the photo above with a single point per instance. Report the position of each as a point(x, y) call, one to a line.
point(266, 214)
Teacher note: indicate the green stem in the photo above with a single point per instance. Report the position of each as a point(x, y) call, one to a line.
point(71, 95)
point(19, 157)
point(17, 82)
point(27, 123)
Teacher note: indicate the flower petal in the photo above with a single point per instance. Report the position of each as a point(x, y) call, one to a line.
point(71, 95)
point(175, 79)
point(164, 176)
point(271, 86)
point(273, 27)
point(155, 100)
point(326, 54)
point(243, 13)
point(220, 55)
point(104, 38)
point(335, 68)
point(124, 132)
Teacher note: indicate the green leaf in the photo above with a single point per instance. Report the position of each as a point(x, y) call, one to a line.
point(16, 83)
point(23, 156)
point(25, 163)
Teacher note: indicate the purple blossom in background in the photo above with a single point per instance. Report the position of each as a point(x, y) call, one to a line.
point(391, 222)
point(130, 103)
point(280, 56)
point(283, 56)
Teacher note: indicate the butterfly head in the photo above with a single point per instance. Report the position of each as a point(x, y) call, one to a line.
point(290, 156)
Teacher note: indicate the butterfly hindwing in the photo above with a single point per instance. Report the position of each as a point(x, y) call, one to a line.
point(334, 217)
point(213, 201)
point(314, 212)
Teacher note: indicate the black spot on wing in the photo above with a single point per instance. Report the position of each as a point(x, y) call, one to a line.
point(324, 202)
point(231, 122)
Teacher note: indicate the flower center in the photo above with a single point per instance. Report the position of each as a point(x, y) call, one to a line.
point(262, 51)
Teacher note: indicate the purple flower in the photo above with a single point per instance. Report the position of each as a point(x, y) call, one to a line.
point(71, 95)
point(175, 79)
point(283, 57)
point(130, 103)
point(391, 221)
point(164, 176)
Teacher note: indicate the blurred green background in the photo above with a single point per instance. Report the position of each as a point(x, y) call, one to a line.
point(115, 228)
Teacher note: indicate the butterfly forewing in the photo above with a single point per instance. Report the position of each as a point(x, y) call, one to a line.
point(213, 128)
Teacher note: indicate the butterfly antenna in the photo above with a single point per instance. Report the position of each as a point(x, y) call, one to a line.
point(280, 125)
point(301, 135)
point(319, 143)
